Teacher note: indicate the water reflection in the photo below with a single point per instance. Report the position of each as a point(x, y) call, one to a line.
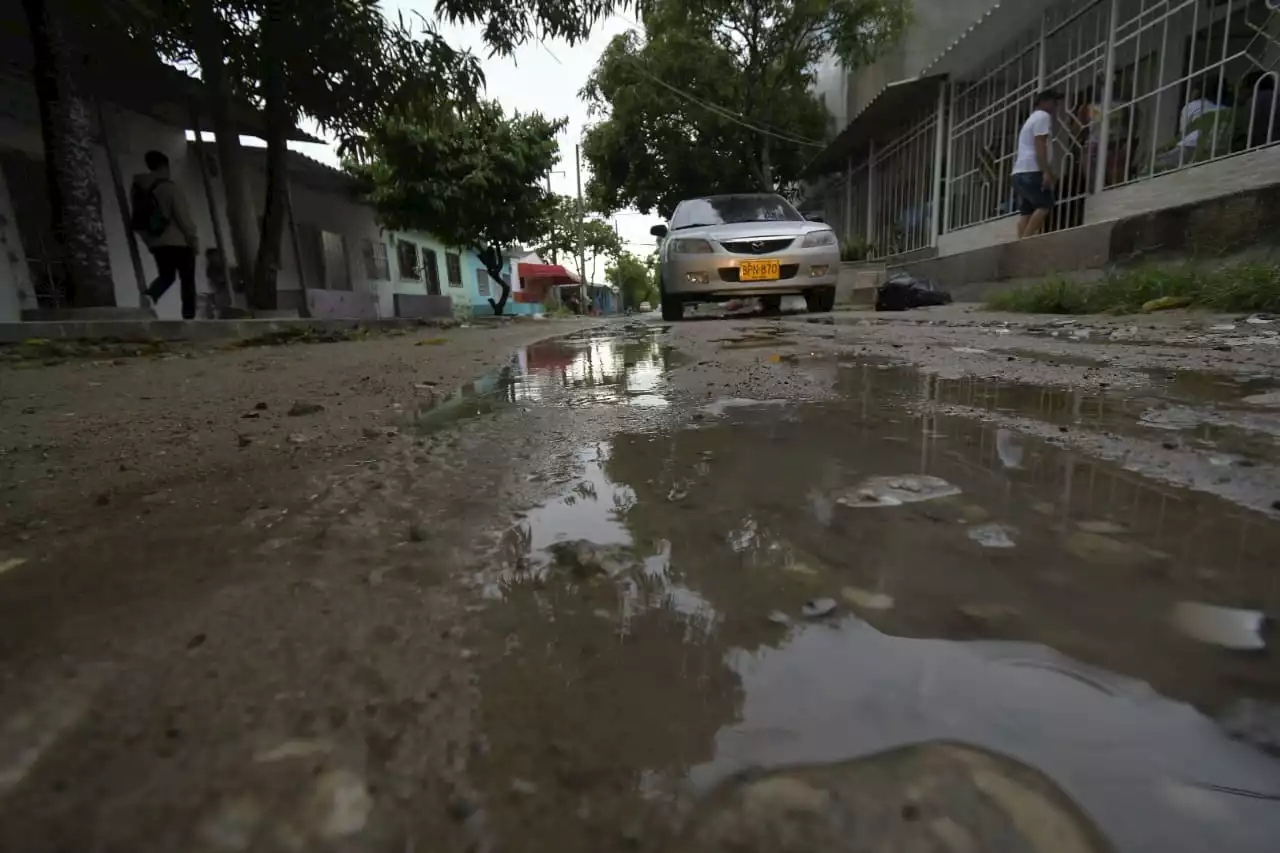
point(599, 368)
point(666, 665)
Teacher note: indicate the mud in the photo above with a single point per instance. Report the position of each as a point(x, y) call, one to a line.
point(737, 584)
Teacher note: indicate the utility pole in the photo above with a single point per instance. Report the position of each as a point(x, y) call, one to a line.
point(582, 255)
point(553, 225)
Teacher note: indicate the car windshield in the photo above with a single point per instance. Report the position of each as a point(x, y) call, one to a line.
point(722, 209)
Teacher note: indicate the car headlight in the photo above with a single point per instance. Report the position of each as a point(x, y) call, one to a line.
point(690, 246)
point(819, 238)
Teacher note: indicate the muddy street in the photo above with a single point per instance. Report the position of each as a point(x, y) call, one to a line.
point(941, 581)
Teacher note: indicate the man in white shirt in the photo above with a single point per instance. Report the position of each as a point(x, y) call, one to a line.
point(1033, 178)
point(1185, 151)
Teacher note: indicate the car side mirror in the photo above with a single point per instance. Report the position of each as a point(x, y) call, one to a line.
point(815, 217)
point(658, 231)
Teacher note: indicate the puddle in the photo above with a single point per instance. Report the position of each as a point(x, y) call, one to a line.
point(1015, 596)
point(578, 370)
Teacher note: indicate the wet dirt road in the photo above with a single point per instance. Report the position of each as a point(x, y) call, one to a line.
point(751, 584)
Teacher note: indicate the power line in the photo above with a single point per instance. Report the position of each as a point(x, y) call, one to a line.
point(723, 112)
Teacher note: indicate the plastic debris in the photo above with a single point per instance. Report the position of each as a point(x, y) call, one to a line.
point(1164, 303)
point(992, 535)
point(1227, 627)
point(896, 491)
point(1008, 448)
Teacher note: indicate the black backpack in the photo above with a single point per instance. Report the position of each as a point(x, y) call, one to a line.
point(148, 216)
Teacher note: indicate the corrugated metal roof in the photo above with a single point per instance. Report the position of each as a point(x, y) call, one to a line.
point(1002, 23)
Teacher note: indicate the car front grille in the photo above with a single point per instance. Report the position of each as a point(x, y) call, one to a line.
point(757, 247)
point(786, 271)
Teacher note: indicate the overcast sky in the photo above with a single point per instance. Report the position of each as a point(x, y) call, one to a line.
point(546, 78)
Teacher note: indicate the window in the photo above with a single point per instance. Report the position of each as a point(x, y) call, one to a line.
point(407, 260)
point(433, 271)
point(482, 282)
point(453, 267)
point(376, 265)
point(337, 274)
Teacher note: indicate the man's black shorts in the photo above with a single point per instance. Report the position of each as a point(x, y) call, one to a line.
point(1031, 193)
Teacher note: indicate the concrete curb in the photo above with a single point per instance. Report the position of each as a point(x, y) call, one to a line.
point(144, 331)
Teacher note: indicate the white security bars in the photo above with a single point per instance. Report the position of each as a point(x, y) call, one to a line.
point(903, 172)
point(1150, 87)
point(1193, 81)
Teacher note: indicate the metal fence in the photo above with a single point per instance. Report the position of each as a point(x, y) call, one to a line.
point(902, 175)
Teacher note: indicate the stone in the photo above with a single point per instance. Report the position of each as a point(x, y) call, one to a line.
point(340, 804)
point(895, 491)
point(301, 408)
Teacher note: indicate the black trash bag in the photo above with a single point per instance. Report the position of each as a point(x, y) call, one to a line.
point(903, 291)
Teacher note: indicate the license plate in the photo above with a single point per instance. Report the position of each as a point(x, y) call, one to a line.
point(769, 270)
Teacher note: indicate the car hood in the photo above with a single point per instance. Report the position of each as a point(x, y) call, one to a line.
point(751, 230)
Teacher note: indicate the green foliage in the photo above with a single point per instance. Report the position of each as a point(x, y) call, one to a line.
point(469, 174)
point(1251, 286)
point(632, 278)
point(561, 240)
point(666, 99)
point(855, 249)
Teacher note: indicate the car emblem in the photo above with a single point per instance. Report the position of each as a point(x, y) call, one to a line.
point(757, 246)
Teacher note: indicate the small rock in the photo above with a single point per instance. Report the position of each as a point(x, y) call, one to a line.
point(817, 608)
point(677, 494)
point(196, 642)
point(340, 801)
point(460, 807)
point(297, 438)
point(371, 432)
point(243, 441)
point(418, 532)
point(523, 787)
point(777, 617)
point(300, 409)
point(261, 407)
point(251, 415)
point(103, 499)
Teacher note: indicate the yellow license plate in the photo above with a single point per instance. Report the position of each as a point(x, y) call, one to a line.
point(769, 270)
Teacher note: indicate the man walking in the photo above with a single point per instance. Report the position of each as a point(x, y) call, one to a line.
point(1033, 178)
point(160, 215)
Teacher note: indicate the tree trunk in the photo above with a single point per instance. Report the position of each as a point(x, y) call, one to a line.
point(492, 260)
point(240, 211)
point(275, 30)
point(66, 127)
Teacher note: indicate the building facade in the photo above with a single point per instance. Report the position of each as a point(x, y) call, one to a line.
point(1167, 102)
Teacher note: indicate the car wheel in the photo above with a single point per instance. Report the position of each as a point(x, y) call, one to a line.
point(771, 304)
point(819, 300)
point(672, 307)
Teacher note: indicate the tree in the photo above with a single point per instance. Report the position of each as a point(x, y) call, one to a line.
point(341, 63)
point(716, 96)
point(468, 174)
point(633, 280)
point(66, 129)
point(598, 237)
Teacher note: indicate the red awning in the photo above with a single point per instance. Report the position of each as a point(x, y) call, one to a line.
point(556, 273)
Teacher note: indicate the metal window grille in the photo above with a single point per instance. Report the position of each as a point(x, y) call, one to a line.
point(453, 268)
point(902, 173)
point(376, 264)
point(1195, 81)
point(986, 115)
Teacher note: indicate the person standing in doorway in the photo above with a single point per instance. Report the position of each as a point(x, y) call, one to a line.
point(1033, 178)
point(161, 216)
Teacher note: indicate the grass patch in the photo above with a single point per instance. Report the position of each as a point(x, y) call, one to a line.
point(1253, 286)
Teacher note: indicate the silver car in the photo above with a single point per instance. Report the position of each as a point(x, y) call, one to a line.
point(745, 245)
